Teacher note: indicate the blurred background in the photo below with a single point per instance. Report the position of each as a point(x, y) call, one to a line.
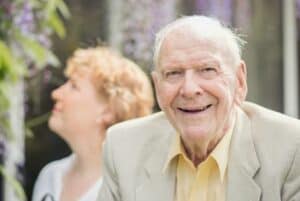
point(270, 28)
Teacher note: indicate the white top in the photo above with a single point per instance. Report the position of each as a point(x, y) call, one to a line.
point(50, 182)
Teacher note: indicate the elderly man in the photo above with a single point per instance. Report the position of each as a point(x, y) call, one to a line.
point(207, 144)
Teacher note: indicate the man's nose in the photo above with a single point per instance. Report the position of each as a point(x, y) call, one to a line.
point(191, 85)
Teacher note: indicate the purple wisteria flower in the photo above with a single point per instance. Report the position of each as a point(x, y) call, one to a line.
point(25, 19)
point(221, 9)
point(138, 29)
point(6, 7)
point(298, 8)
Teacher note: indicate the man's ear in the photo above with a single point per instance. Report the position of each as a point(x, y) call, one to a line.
point(241, 83)
point(154, 75)
point(156, 81)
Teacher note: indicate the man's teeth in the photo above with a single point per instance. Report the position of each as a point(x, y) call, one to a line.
point(196, 110)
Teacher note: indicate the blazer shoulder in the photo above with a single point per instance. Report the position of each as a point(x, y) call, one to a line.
point(262, 115)
point(272, 127)
point(145, 128)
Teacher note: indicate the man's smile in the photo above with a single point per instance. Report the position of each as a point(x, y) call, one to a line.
point(193, 110)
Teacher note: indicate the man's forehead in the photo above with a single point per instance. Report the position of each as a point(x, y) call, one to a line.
point(185, 36)
point(188, 40)
point(195, 58)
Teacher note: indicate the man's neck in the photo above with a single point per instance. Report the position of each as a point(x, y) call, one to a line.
point(199, 153)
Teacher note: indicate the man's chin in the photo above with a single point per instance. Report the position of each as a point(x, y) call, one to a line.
point(195, 133)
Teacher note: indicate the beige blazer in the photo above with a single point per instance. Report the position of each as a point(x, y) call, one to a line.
point(264, 163)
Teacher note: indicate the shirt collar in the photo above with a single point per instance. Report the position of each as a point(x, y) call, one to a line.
point(220, 154)
point(174, 151)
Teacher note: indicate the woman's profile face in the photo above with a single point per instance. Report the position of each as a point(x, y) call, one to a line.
point(77, 107)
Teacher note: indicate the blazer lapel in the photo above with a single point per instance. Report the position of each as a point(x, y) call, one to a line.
point(154, 183)
point(243, 163)
point(158, 187)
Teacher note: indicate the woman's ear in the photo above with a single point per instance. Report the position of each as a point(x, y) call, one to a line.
point(106, 118)
point(241, 83)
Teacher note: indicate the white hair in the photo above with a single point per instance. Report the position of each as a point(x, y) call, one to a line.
point(207, 28)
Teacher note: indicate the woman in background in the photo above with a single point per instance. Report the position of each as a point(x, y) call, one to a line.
point(103, 88)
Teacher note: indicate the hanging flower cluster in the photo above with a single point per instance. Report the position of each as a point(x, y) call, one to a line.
point(25, 30)
point(139, 27)
point(221, 9)
point(26, 27)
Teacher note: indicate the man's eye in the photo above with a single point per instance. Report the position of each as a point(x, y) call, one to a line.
point(209, 69)
point(208, 72)
point(172, 73)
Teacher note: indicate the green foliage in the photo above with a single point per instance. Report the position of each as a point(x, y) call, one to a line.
point(10, 71)
point(53, 19)
point(35, 122)
point(25, 40)
point(25, 31)
point(8, 67)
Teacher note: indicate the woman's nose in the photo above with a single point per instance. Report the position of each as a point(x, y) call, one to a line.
point(57, 93)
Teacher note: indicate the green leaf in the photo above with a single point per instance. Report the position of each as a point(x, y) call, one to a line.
point(5, 125)
point(10, 67)
point(37, 120)
point(50, 7)
point(6, 61)
point(34, 50)
point(33, 122)
point(62, 7)
point(4, 106)
point(52, 17)
point(55, 22)
point(4, 102)
point(53, 5)
point(52, 59)
point(28, 133)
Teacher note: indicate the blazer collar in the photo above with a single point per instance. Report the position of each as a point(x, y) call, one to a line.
point(243, 163)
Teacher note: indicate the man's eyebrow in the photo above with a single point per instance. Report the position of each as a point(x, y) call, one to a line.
point(168, 68)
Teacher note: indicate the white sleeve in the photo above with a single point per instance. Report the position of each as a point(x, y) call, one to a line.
point(44, 183)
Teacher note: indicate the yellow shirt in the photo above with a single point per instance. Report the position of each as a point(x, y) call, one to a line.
point(207, 181)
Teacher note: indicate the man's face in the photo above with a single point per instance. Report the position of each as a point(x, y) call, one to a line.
point(197, 87)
